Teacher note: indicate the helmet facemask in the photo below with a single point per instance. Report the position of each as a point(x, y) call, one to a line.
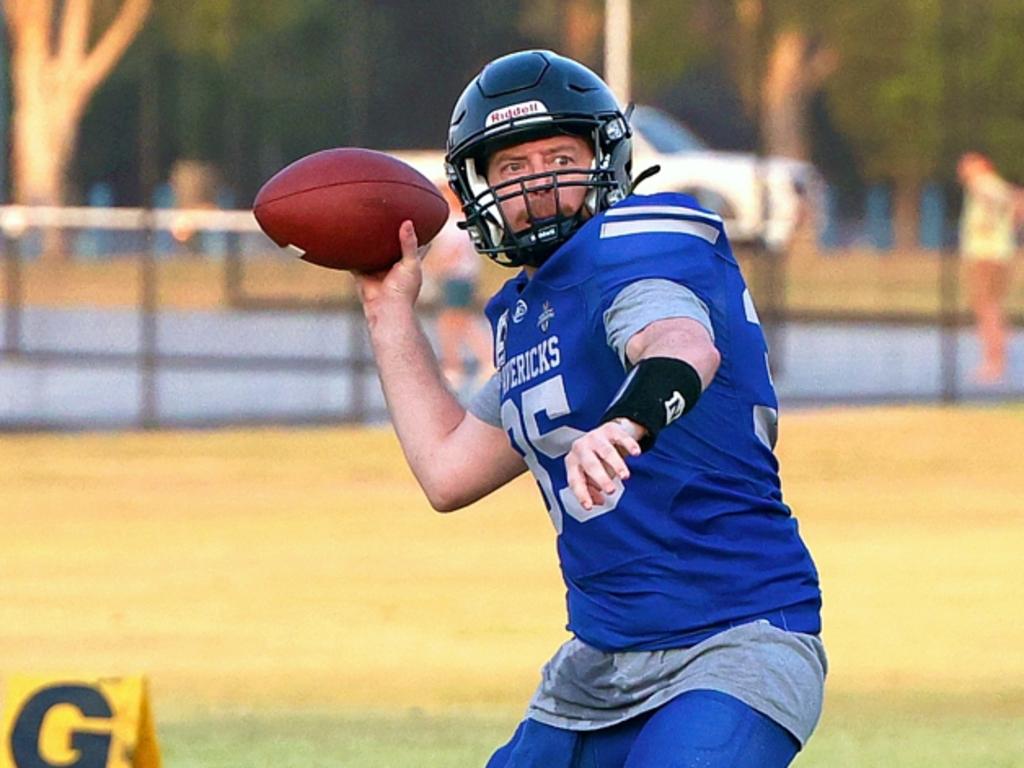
point(488, 226)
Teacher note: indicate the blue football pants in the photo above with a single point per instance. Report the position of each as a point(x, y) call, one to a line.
point(698, 729)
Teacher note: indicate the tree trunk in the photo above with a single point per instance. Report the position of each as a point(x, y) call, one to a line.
point(795, 70)
point(54, 73)
point(581, 31)
point(744, 50)
point(43, 140)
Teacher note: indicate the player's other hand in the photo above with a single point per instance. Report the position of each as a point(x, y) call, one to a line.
point(401, 282)
point(596, 460)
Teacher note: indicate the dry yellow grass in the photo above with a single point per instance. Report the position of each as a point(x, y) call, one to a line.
point(182, 282)
point(914, 516)
point(277, 569)
point(858, 281)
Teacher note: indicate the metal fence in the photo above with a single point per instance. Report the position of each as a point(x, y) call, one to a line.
point(69, 361)
point(271, 344)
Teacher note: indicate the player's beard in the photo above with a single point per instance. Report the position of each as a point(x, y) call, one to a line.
point(540, 208)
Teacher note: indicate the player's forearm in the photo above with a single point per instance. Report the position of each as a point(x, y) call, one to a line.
point(682, 339)
point(423, 411)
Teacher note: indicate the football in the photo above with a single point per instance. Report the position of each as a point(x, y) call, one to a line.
point(342, 208)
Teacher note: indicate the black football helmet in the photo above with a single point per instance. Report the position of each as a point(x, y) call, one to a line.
point(522, 97)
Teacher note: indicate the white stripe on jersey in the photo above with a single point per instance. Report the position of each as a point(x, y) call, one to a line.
point(646, 226)
point(661, 210)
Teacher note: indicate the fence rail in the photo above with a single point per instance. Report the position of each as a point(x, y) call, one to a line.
point(277, 356)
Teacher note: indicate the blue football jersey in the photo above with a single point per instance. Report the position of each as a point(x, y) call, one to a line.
point(698, 539)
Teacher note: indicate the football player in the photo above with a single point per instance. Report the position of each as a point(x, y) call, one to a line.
point(632, 381)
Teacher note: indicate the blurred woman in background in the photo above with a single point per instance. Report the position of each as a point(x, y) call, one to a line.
point(991, 208)
point(454, 265)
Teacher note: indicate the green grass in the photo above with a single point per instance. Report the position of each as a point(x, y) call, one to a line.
point(315, 740)
point(862, 731)
point(886, 730)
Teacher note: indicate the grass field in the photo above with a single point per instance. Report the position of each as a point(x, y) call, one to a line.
point(295, 602)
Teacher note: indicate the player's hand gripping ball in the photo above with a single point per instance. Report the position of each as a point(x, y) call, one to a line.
point(343, 207)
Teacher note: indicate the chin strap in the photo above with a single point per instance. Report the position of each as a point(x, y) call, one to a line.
point(644, 175)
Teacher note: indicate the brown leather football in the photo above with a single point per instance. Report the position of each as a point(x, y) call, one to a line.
point(343, 207)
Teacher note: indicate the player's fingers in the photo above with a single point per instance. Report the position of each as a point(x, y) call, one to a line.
point(368, 286)
point(624, 442)
point(597, 471)
point(577, 482)
point(610, 455)
point(371, 278)
point(410, 245)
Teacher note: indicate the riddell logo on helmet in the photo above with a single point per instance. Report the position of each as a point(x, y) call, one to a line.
point(523, 109)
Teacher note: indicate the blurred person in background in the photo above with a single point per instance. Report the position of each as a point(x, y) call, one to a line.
point(454, 266)
point(991, 209)
point(633, 384)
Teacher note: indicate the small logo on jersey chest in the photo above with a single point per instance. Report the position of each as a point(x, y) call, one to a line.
point(520, 311)
point(500, 336)
point(547, 313)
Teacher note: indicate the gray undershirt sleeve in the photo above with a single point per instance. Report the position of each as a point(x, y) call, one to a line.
point(486, 404)
point(635, 307)
point(641, 303)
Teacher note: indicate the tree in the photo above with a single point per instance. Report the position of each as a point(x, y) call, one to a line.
point(889, 98)
point(796, 69)
point(776, 55)
point(254, 86)
point(784, 57)
point(983, 83)
point(57, 62)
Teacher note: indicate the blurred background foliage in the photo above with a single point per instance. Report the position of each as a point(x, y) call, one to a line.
point(881, 91)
